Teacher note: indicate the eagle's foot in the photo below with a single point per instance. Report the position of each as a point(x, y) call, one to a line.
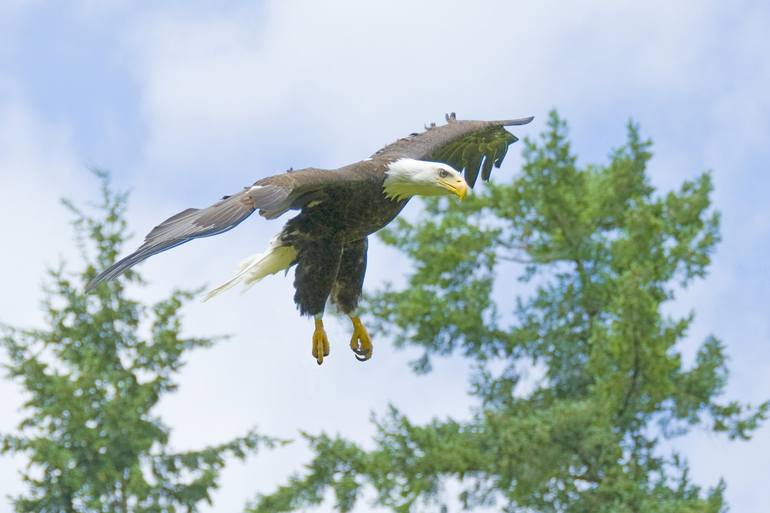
point(360, 342)
point(320, 342)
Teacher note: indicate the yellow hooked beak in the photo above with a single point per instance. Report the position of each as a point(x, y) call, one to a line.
point(458, 187)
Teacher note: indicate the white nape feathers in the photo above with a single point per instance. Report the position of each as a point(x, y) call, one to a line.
point(410, 177)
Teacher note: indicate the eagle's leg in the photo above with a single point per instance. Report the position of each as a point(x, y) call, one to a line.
point(320, 340)
point(360, 342)
point(317, 263)
point(347, 291)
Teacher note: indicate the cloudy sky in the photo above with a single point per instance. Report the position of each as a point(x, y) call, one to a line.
point(186, 101)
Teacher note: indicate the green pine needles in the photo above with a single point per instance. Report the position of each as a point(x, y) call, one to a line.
point(567, 268)
point(91, 381)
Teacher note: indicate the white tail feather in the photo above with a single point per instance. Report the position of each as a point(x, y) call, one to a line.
point(252, 269)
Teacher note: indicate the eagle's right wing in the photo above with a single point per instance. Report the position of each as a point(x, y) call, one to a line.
point(272, 196)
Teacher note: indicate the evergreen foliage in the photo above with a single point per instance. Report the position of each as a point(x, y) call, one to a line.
point(92, 378)
point(600, 255)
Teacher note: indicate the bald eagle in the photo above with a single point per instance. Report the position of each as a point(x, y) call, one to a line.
point(338, 210)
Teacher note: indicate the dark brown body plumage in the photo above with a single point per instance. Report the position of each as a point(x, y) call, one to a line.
point(330, 236)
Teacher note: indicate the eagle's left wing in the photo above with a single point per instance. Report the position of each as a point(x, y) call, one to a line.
point(469, 146)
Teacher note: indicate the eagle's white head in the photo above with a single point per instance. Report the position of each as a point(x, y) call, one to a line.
point(409, 177)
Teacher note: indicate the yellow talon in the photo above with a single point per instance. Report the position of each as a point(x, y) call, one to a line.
point(360, 342)
point(320, 342)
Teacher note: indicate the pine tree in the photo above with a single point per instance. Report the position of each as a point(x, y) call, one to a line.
point(598, 255)
point(91, 380)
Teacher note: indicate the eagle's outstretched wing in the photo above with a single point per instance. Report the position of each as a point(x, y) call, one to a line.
point(272, 196)
point(469, 146)
point(472, 146)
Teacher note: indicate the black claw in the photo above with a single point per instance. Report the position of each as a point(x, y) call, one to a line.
point(319, 362)
point(361, 358)
point(360, 351)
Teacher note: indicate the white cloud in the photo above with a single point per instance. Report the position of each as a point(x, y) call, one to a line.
point(11, 8)
point(329, 69)
point(37, 168)
point(98, 9)
point(10, 13)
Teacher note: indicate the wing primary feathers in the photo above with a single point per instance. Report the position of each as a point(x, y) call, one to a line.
point(128, 262)
point(472, 166)
point(272, 196)
point(475, 147)
point(190, 224)
point(174, 231)
point(514, 122)
point(486, 168)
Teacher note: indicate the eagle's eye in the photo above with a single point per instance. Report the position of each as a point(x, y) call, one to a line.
point(443, 173)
